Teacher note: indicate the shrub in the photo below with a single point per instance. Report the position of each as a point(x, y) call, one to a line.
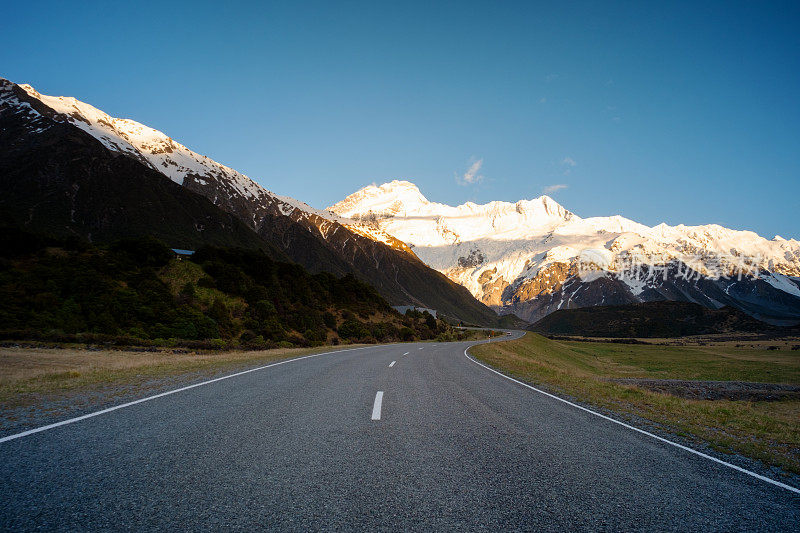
point(207, 282)
point(217, 344)
point(264, 309)
point(353, 329)
point(297, 340)
point(329, 319)
point(147, 251)
point(406, 334)
point(247, 335)
point(256, 343)
point(188, 293)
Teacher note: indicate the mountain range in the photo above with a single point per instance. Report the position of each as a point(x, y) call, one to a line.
point(68, 168)
point(531, 257)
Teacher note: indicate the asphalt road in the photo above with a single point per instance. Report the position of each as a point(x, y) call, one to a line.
point(297, 447)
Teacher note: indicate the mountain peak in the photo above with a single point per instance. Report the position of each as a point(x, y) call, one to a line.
point(543, 205)
point(399, 184)
point(546, 199)
point(29, 89)
point(392, 198)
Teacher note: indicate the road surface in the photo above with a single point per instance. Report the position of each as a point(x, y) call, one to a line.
point(406, 436)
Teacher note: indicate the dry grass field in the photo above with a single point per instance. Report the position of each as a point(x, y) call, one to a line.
point(60, 381)
point(30, 377)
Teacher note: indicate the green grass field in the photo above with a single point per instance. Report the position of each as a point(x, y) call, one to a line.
point(764, 430)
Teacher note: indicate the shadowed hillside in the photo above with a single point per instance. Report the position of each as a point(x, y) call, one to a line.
point(136, 291)
point(651, 319)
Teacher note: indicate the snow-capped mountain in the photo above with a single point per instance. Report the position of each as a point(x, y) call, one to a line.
point(527, 257)
point(319, 240)
point(180, 164)
point(530, 257)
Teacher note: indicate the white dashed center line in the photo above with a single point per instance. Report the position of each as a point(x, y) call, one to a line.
point(392, 364)
point(405, 353)
point(376, 409)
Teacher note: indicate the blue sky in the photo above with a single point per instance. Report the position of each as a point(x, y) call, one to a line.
point(686, 112)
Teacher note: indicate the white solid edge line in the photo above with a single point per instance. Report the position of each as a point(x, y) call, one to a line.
point(392, 364)
point(376, 407)
point(167, 393)
point(643, 432)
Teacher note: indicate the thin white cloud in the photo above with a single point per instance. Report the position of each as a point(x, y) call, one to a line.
point(568, 163)
point(472, 175)
point(550, 77)
point(542, 100)
point(550, 189)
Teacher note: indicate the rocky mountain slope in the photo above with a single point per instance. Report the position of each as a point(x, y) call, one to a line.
point(318, 240)
point(533, 257)
point(57, 179)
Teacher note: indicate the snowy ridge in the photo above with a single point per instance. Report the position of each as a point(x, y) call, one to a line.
point(401, 210)
point(10, 100)
point(510, 243)
point(176, 161)
point(155, 148)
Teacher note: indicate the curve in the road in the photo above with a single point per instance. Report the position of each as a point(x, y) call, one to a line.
point(634, 428)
